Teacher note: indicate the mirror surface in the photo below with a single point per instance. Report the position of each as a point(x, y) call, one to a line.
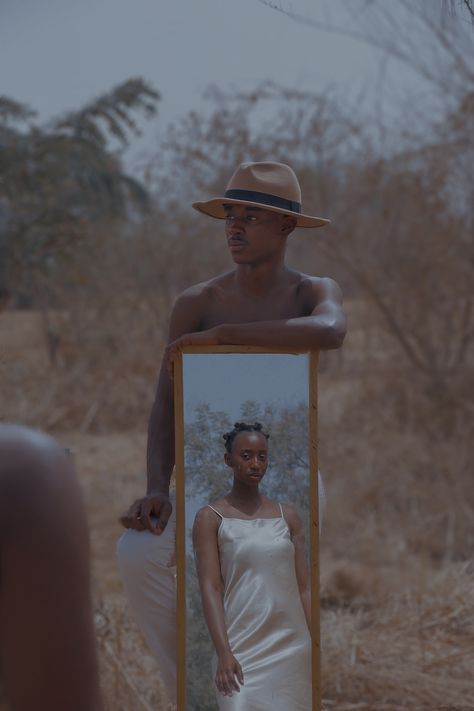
point(218, 390)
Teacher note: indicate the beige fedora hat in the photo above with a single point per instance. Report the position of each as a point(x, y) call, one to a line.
point(273, 186)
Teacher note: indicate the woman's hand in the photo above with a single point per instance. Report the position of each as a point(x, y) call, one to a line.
point(228, 674)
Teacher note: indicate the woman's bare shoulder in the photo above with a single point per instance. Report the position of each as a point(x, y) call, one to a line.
point(209, 512)
point(290, 512)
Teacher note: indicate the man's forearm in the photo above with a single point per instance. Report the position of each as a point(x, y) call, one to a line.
point(311, 332)
point(160, 446)
point(160, 462)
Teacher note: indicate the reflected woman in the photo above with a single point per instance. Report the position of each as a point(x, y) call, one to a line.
point(255, 587)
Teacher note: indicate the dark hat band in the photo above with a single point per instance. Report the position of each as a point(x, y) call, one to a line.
point(264, 199)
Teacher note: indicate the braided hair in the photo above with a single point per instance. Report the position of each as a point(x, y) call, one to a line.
point(242, 427)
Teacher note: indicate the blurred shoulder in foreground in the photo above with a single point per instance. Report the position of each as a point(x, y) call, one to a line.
point(47, 646)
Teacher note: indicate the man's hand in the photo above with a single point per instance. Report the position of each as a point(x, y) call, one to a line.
point(198, 338)
point(151, 513)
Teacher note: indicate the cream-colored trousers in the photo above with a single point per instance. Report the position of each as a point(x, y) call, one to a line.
point(146, 566)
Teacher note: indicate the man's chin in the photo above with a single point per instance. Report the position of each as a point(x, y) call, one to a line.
point(240, 258)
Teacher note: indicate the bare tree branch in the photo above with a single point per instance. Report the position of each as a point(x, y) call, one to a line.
point(469, 7)
point(392, 38)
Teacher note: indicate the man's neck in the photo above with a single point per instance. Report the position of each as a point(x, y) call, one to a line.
point(260, 279)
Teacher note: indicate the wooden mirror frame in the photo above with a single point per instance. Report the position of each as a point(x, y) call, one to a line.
point(181, 512)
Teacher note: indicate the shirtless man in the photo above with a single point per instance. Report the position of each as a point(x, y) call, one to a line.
point(260, 302)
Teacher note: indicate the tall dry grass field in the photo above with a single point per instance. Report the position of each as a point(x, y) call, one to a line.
point(397, 576)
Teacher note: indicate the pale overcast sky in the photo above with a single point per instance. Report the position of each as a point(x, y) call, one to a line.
point(57, 54)
point(225, 382)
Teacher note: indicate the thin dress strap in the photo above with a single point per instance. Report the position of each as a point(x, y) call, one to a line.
point(281, 510)
point(215, 510)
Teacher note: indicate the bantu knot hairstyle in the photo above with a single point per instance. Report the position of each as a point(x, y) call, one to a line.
point(242, 427)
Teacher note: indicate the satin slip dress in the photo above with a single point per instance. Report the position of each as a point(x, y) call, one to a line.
point(264, 616)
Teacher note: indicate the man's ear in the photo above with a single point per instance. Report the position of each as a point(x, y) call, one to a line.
point(227, 459)
point(288, 224)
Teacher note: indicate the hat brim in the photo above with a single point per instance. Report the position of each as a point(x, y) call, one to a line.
point(215, 208)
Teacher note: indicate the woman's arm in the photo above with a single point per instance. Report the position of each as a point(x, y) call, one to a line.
point(295, 525)
point(229, 672)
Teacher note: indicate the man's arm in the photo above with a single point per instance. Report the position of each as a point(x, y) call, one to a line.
point(324, 328)
point(160, 443)
point(186, 316)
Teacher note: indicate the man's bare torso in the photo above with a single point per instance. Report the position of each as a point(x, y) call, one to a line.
point(222, 300)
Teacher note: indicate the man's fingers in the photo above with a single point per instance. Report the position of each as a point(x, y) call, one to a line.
point(132, 518)
point(172, 353)
point(145, 516)
point(163, 518)
point(134, 510)
point(165, 511)
point(150, 513)
point(128, 521)
point(146, 522)
point(155, 515)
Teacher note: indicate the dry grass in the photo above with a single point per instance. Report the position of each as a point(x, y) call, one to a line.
point(397, 584)
point(129, 675)
point(110, 468)
point(410, 648)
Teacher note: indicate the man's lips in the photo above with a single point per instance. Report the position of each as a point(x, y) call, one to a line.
point(236, 244)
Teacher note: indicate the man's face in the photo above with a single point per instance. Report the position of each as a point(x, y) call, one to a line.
point(253, 233)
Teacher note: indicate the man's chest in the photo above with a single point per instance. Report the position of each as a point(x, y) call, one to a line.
point(232, 308)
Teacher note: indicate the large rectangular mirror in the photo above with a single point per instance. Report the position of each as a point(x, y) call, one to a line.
point(265, 616)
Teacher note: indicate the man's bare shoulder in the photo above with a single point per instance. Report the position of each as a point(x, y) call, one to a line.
point(205, 290)
point(318, 289)
point(192, 307)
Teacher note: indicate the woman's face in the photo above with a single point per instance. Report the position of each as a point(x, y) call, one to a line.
point(248, 458)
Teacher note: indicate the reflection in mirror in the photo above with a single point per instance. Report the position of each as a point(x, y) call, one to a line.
point(220, 389)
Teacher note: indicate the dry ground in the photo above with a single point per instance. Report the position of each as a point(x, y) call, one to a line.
point(397, 624)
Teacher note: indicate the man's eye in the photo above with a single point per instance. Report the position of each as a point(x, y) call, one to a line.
point(251, 218)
